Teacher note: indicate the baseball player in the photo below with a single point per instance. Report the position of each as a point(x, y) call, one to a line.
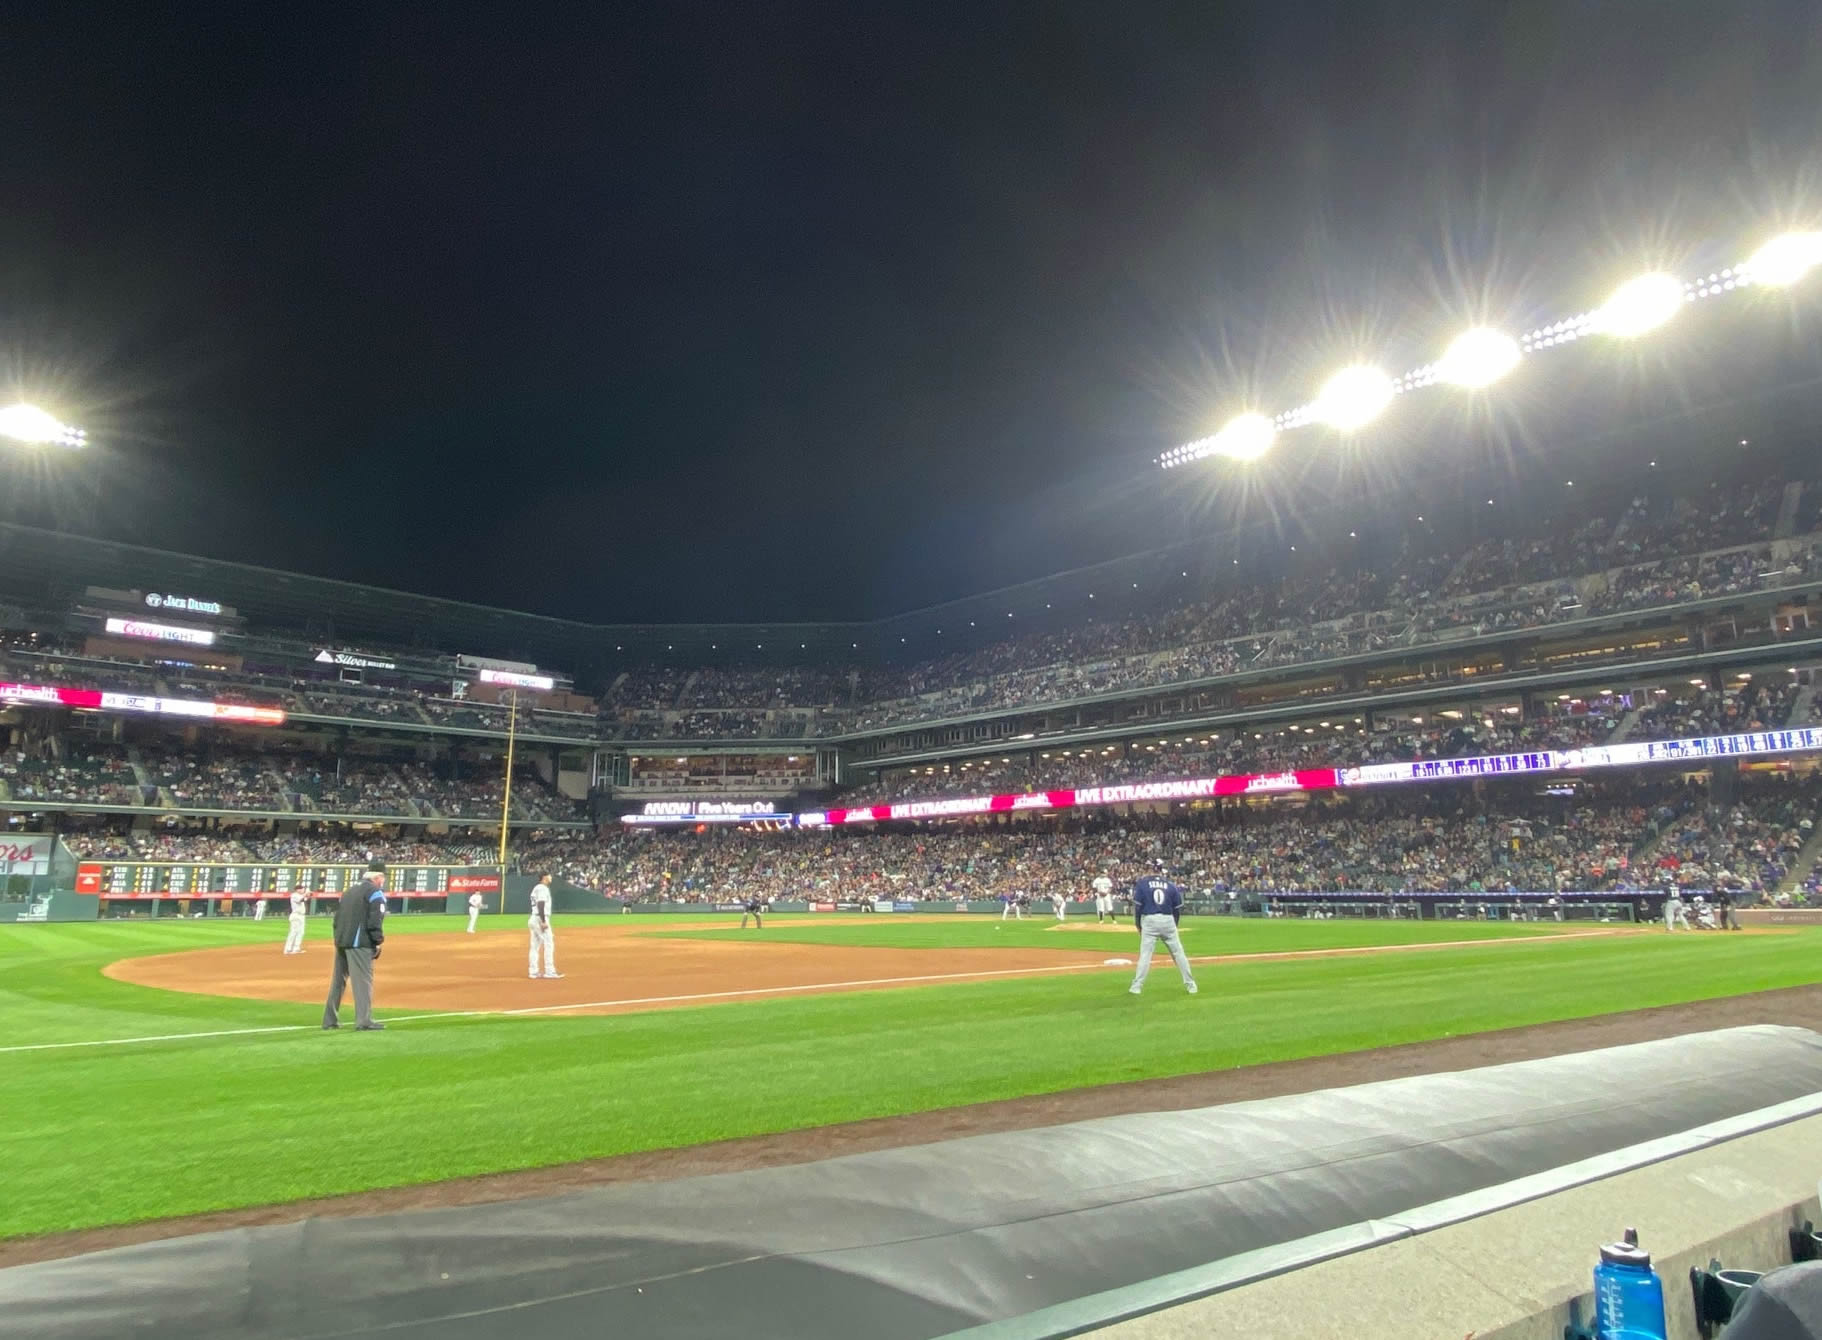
point(259, 910)
point(300, 908)
point(540, 929)
point(1673, 910)
point(755, 905)
point(475, 903)
point(1157, 908)
point(1103, 899)
point(1060, 902)
point(1012, 908)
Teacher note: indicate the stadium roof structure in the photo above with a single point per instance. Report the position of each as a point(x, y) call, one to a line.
point(52, 568)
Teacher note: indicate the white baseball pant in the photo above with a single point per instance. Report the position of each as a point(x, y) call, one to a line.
point(541, 938)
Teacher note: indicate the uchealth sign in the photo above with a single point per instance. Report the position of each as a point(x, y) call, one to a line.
point(474, 883)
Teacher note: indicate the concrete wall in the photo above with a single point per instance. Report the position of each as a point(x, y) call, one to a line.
point(1526, 1272)
point(1781, 916)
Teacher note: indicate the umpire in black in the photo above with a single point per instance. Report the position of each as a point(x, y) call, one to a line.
point(359, 932)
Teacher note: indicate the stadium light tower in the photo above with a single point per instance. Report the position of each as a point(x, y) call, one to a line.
point(1246, 437)
point(1357, 395)
point(1353, 398)
point(1477, 358)
point(1640, 306)
point(29, 424)
point(1784, 260)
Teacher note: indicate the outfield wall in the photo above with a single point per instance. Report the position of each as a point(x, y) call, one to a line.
point(53, 907)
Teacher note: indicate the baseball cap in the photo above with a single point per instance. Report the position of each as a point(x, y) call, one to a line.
point(375, 866)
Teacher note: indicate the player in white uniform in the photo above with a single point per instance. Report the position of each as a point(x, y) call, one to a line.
point(1060, 902)
point(259, 910)
point(540, 929)
point(300, 908)
point(475, 903)
point(1103, 898)
point(1012, 908)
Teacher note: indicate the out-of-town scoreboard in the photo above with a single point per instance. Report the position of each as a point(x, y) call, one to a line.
point(178, 879)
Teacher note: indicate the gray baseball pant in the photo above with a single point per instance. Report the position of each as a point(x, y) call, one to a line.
point(1153, 927)
point(356, 966)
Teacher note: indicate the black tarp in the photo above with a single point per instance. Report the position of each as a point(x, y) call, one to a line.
point(916, 1242)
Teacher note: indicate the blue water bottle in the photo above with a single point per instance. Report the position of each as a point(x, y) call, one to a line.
point(1628, 1295)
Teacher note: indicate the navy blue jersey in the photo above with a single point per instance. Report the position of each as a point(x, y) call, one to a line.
point(1155, 896)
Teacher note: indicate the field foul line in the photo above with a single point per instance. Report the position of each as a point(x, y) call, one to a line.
point(223, 1033)
point(789, 990)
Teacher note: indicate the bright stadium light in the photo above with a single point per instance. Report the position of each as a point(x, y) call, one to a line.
point(1640, 305)
point(1246, 437)
point(28, 423)
point(1477, 358)
point(1353, 398)
point(1784, 260)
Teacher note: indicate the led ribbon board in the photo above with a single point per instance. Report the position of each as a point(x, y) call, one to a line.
point(94, 700)
point(657, 812)
point(1533, 762)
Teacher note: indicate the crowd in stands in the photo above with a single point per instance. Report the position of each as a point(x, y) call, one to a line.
point(1658, 550)
point(1748, 846)
point(1240, 632)
point(322, 845)
point(1622, 834)
point(222, 776)
point(1433, 842)
point(100, 776)
point(1703, 709)
point(1317, 745)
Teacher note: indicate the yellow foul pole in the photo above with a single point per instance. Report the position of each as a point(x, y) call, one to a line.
point(512, 737)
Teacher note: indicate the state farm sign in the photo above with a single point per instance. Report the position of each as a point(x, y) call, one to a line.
point(474, 883)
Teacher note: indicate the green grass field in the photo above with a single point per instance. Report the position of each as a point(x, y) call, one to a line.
point(1206, 935)
point(94, 1135)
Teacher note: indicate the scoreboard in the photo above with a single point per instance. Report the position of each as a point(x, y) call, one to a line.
point(171, 879)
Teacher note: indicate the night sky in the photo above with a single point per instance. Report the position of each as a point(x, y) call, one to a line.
point(802, 311)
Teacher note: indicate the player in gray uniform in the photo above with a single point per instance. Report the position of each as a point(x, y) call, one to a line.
point(475, 903)
point(1157, 905)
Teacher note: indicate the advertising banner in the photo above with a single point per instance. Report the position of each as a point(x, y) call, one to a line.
point(474, 883)
point(26, 854)
point(169, 879)
point(95, 700)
